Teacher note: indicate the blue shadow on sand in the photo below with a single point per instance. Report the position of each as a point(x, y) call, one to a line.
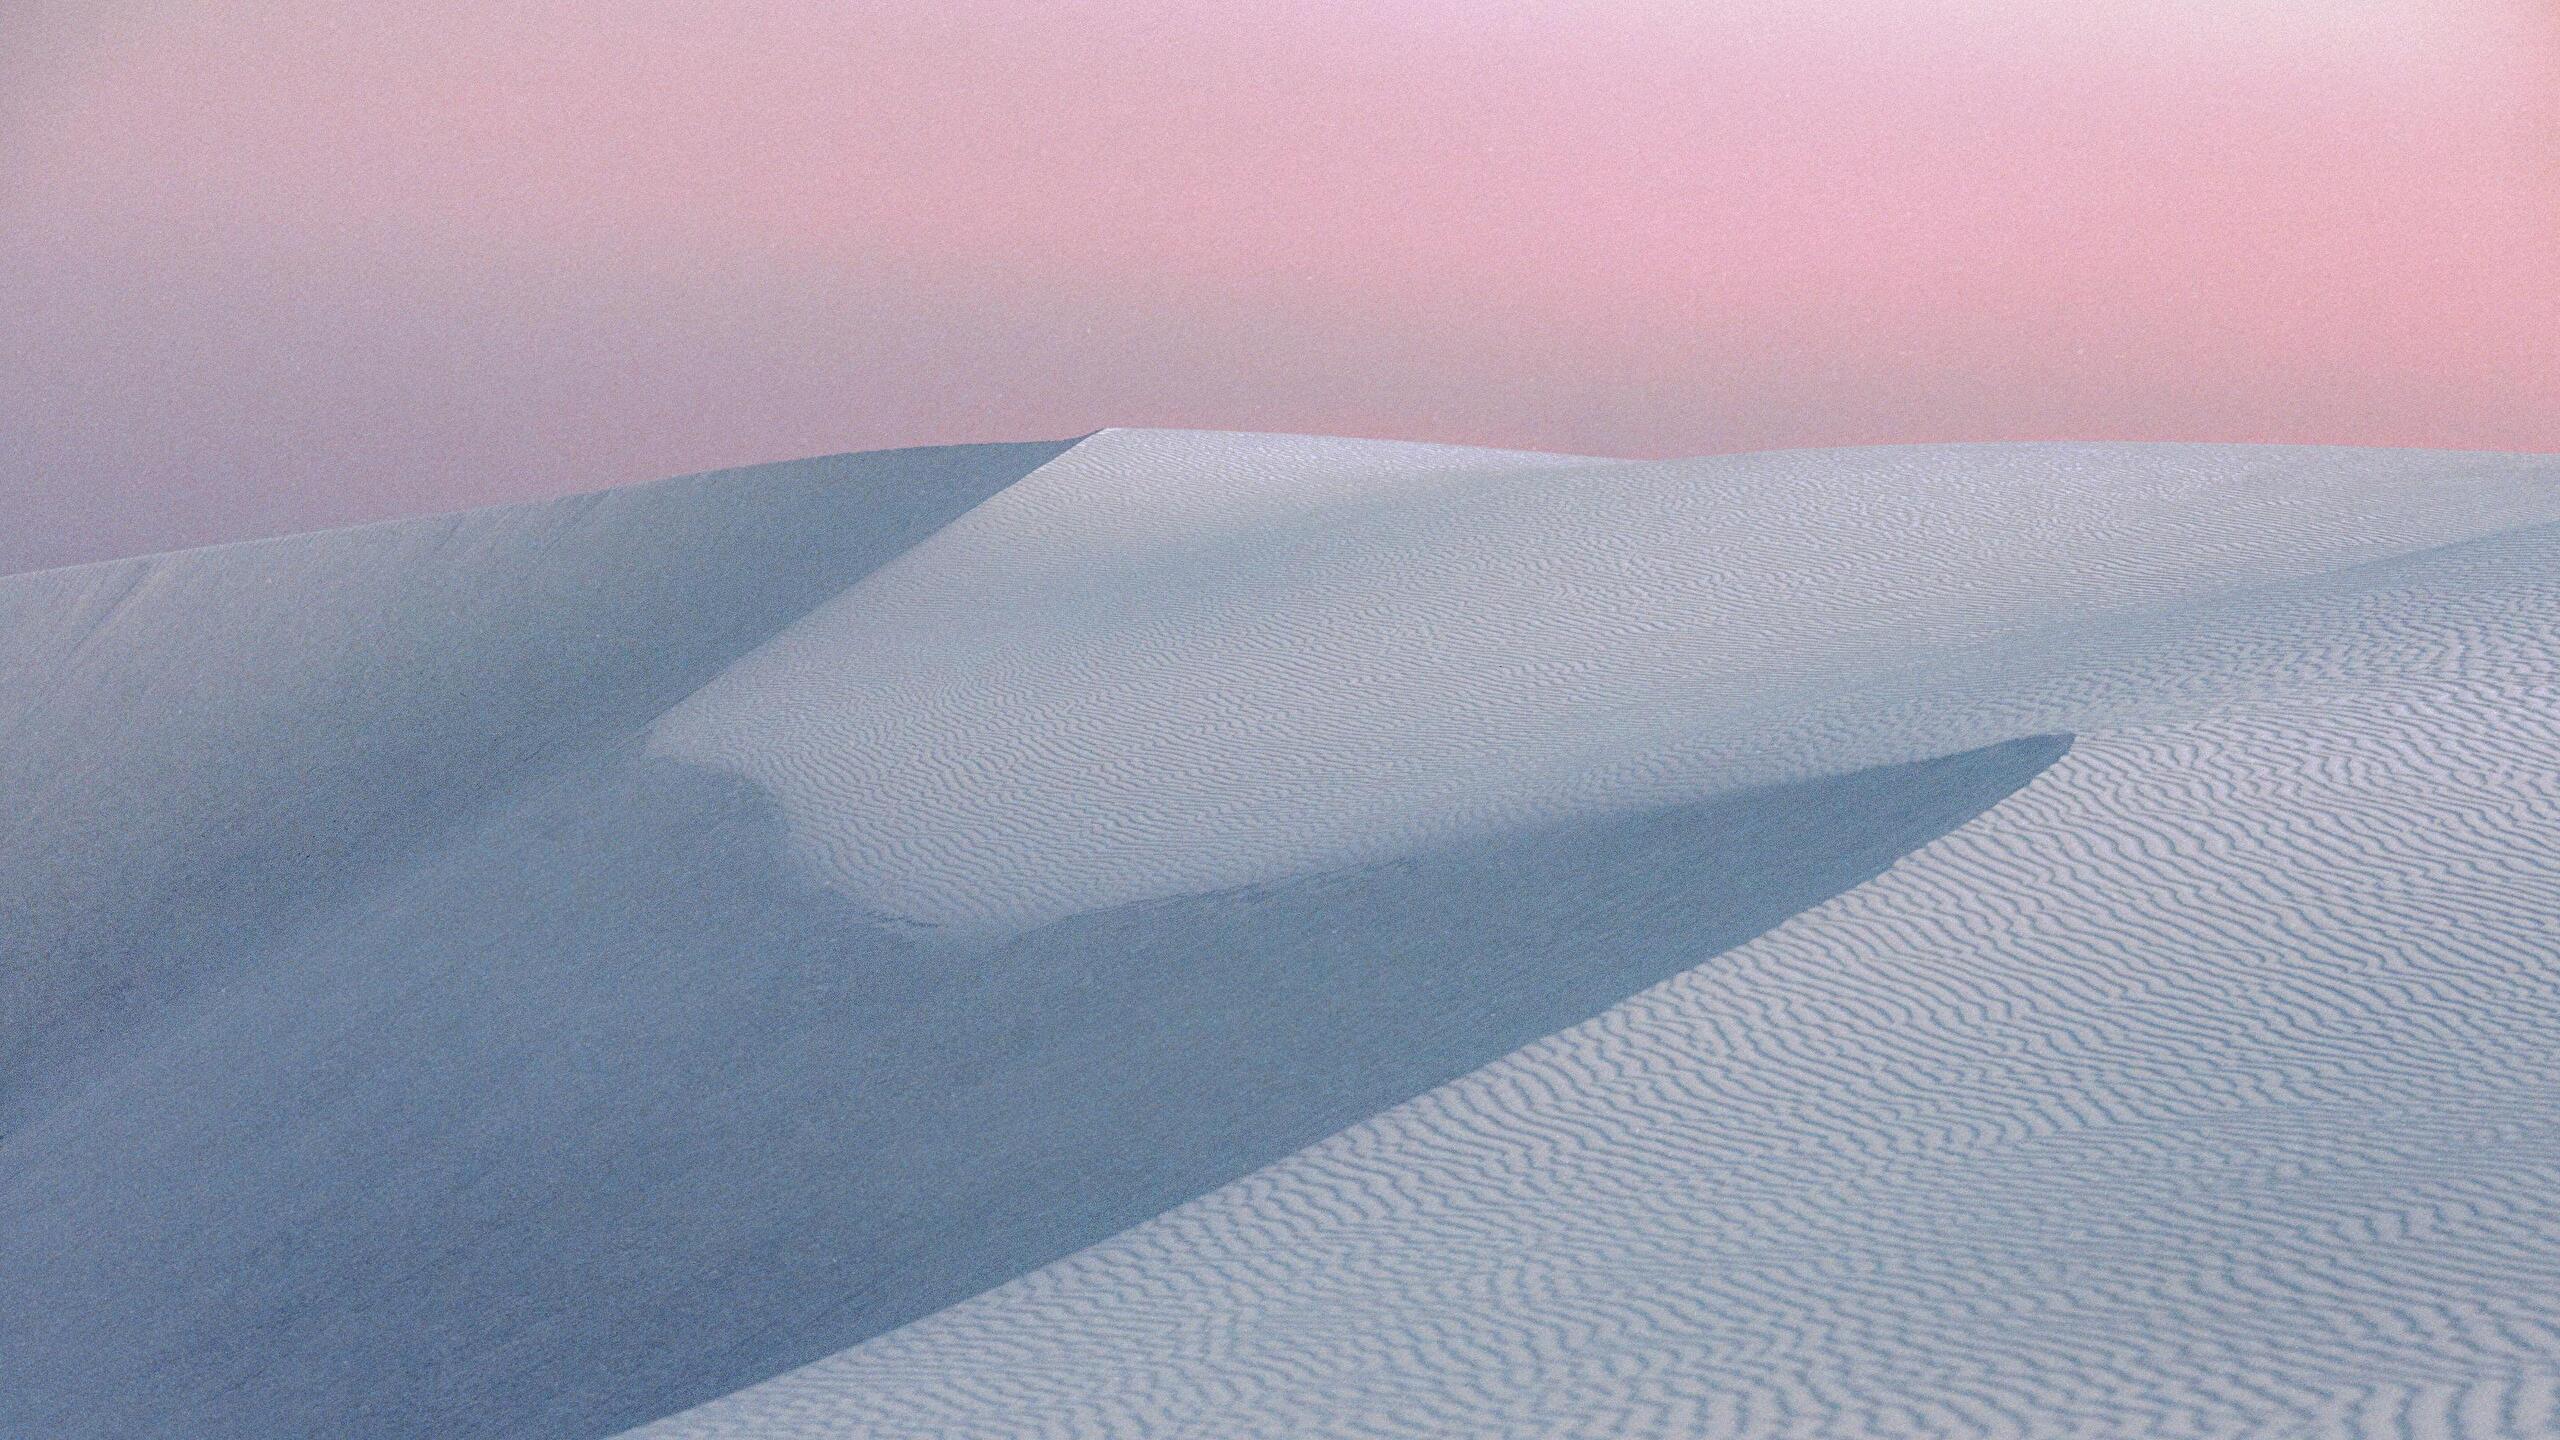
point(589, 1109)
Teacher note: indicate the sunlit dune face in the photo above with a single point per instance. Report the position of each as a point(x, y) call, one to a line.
point(354, 259)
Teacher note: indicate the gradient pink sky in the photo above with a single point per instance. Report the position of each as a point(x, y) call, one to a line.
point(293, 264)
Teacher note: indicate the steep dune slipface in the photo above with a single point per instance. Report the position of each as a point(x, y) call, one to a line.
point(197, 747)
point(533, 1088)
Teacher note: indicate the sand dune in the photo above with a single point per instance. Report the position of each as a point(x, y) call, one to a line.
point(2204, 1086)
point(1038, 712)
point(1345, 938)
point(199, 745)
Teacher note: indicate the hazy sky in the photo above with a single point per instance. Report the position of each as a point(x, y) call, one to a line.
point(272, 265)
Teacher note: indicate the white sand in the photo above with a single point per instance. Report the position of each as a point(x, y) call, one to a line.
point(400, 1039)
point(2207, 1086)
point(1172, 662)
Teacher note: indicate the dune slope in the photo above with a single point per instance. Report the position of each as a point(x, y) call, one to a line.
point(432, 1058)
point(1219, 935)
point(2204, 1086)
point(202, 745)
point(1170, 662)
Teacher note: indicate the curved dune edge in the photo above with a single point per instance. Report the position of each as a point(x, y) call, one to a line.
point(2202, 1087)
point(366, 990)
point(197, 745)
point(539, 1098)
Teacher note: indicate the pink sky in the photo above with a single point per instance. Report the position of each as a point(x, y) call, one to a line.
point(269, 267)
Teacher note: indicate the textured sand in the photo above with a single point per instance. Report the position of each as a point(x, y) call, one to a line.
point(1170, 662)
point(1214, 935)
point(2204, 1086)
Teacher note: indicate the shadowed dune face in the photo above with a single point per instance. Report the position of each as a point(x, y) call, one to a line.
point(467, 1071)
point(590, 1110)
point(198, 749)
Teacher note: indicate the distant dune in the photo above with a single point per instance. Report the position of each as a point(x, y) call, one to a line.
point(1190, 934)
